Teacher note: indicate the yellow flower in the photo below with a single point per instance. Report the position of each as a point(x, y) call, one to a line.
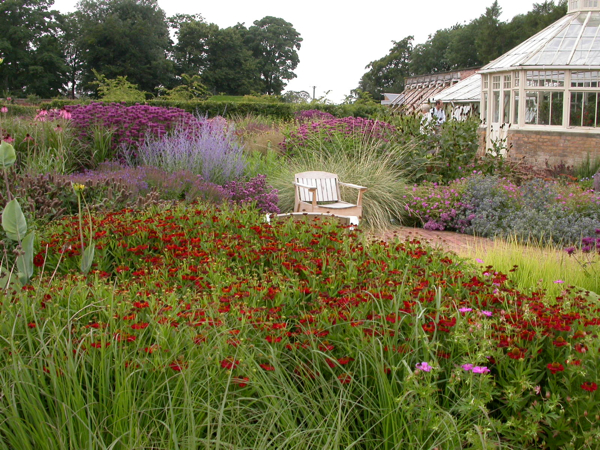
point(78, 187)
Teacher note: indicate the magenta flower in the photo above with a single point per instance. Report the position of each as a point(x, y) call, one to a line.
point(467, 367)
point(464, 310)
point(424, 367)
point(487, 313)
point(481, 369)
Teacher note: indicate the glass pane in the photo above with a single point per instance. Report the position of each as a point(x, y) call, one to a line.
point(516, 108)
point(485, 106)
point(496, 107)
point(544, 109)
point(556, 117)
point(506, 107)
point(576, 109)
point(531, 107)
point(589, 109)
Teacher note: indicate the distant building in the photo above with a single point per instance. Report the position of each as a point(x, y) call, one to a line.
point(543, 97)
point(422, 89)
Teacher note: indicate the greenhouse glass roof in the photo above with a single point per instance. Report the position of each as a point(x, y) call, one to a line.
point(571, 42)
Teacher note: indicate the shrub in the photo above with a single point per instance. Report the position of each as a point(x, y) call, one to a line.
point(255, 191)
point(209, 149)
point(342, 133)
point(312, 115)
point(539, 211)
point(129, 125)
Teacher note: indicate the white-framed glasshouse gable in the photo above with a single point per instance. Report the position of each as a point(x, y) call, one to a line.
point(543, 96)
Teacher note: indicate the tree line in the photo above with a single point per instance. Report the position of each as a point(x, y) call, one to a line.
point(48, 54)
point(461, 46)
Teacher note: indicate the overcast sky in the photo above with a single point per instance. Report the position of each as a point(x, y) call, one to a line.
point(340, 37)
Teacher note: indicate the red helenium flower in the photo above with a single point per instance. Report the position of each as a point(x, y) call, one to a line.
point(555, 367)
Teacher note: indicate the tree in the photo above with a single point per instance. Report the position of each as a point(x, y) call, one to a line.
point(190, 53)
point(389, 72)
point(230, 66)
point(273, 43)
point(128, 38)
point(33, 61)
point(490, 40)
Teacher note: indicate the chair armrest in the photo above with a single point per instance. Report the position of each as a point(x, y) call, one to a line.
point(306, 186)
point(355, 186)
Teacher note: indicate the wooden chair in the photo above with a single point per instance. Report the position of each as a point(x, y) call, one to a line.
point(319, 192)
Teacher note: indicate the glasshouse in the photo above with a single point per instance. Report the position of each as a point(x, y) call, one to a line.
point(542, 99)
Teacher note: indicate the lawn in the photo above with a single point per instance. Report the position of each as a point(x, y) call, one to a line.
point(149, 303)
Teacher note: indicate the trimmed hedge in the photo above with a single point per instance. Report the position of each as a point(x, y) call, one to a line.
point(282, 111)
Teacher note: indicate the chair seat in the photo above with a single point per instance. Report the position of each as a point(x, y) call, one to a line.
point(338, 205)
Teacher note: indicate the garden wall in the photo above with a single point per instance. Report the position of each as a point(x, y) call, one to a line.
point(548, 148)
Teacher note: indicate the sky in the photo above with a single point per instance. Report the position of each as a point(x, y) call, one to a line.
point(340, 38)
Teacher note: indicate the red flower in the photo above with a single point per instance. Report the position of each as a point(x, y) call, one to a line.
point(140, 325)
point(516, 353)
point(272, 339)
point(267, 367)
point(31, 325)
point(345, 360)
point(581, 348)
point(560, 342)
point(345, 378)
point(590, 387)
point(229, 363)
point(38, 260)
point(241, 382)
point(176, 366)
point(141, 305)
point(555, 367)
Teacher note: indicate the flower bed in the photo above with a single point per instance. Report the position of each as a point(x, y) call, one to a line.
point(214, 322)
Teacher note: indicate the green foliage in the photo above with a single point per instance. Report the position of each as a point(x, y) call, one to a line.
point(124, 38)
point(118, 89)
point(388, 73)
point(191, 89)
point(274, 44)
point(33, 57)
point(275, 109)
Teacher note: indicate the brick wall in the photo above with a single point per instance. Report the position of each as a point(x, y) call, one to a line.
point(550, 148)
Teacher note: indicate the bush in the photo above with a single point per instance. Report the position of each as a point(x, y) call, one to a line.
point(128, 125)
point(489, 206)
point(209, 149)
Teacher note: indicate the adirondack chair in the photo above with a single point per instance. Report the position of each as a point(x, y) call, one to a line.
point(319, 192)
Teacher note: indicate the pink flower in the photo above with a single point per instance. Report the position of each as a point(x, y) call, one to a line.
point(424, 367)
point(467, 367)
point(4, 110)
point(487, 313)
point(464, 310)
point(478, 369)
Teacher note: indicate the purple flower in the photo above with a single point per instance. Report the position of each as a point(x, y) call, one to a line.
point(424, 367)
point(464, 310)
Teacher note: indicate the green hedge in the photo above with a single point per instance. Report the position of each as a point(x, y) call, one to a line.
point(22, 110)
point(281, 111)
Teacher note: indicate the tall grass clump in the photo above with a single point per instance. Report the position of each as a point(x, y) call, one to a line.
point(549, 268)
point(371, 162)
point(209, 149)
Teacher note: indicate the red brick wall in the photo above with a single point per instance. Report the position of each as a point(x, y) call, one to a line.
point(549, 147)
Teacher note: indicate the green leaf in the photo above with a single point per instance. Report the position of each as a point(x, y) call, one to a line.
point(13, 221)
point(7, 155)
point(87, 259)
point(25, 261)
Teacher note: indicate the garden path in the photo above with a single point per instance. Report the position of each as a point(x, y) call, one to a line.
point(447, 240)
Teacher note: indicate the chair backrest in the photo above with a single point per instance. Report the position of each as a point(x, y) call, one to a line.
point(326, 183)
